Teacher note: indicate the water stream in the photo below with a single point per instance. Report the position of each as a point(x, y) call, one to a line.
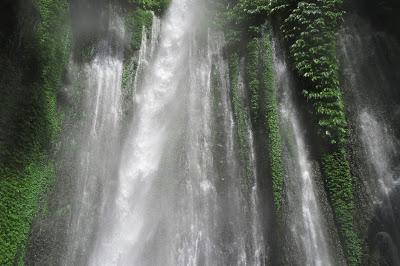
point(367, 56)
point(98, 141)
point(172, 206)
point(306, 222)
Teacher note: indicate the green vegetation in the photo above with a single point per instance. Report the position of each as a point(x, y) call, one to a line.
point(20, 193)
point(157, 6)
point(340, 187)
point(272, 120)
point(218, 133)
point(264, 105)
point(239, 114)
point(240, 20)
point(135, 22)
point(252, 77)
point(32, 124)
point(309, 28)
point(54, 46)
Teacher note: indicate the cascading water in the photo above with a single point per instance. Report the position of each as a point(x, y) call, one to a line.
point(358, 50)
point(305, 221)
point(253, 209)
point(179, 201)
point(99, 144)
point(147, 49)
point(184, 132)
point(367, 56)
point(381, 147)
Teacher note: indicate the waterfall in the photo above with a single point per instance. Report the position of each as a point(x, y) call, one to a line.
point(364, 60)
point(179, 199)
point(305, 220)
point(367, 57)
point(199, 132)
point(253, 208)
point(99, 141)
point(145, 54)
point(380, 147)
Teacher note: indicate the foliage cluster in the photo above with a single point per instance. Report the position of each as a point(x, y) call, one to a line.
point(310, 29)
point(33, 122)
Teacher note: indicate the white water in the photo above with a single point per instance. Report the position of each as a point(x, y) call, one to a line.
point(371, 86)
point(172, 206)
point(258, 245)
point(368, 58)
point(98, 143)
point(306, 222)
point(146, 52)
point(381, 147)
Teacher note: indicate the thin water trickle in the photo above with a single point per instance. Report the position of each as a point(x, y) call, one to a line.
point(305, 218)
point(367, 58)
point(370, 88)
point(381, 147)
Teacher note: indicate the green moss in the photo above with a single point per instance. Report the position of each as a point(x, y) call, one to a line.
point(53, 36)
point(340, 187)
point(252, 77)
point(19, 197)
point(128, 70)
point(26, 170)
point(135, 23)
point(157, 6)
point(264, 105)
point(272, 120)
point(239, 115)
point(218, 132)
